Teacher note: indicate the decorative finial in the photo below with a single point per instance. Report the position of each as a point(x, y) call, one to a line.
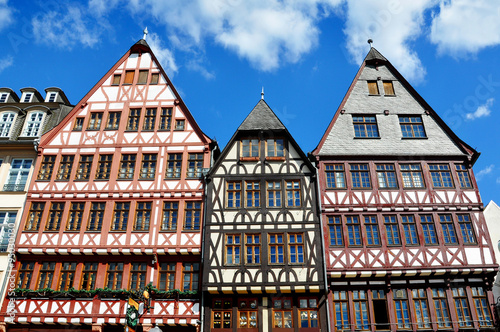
point(145, 33)
point(370, 41)
point(262, 94)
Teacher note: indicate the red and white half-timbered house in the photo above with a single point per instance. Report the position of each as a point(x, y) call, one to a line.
point(116, 203)
point(407, 246)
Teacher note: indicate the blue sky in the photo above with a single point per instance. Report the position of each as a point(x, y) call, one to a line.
point(305, 53)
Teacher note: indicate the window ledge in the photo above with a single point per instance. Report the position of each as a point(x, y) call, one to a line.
point(275, 158)
point(378, 94)
point(408, 138)
point(367, 137)
point(249, 158)
point(390, 96)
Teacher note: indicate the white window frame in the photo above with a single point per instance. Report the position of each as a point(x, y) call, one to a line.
point(18, 175)
point(27, 97)
point(7, 221)
point(6, 126)
point(50, 95)
point(37, 124)
point(4, 96)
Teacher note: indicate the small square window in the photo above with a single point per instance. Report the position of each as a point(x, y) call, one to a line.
point(365, 126)
point(373, 88)
point(116, 79)
point(129, 77)
point(143, 77)
point(179, 124)
point(155, 78)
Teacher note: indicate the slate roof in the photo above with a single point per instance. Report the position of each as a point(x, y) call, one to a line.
point(373, 54)
point(261, 117)
point(339, 138)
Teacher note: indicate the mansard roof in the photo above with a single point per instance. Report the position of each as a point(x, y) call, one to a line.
point(140, 47)
point(339, 140)
point(261, 118)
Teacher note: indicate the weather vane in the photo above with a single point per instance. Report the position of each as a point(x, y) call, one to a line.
point(370, 41)
point(145, 33)
point(262, 94)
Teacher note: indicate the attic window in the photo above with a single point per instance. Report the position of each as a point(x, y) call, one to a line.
point(116, 79)
point(412, 127)
point(27, 97)
point(373, 88)
point(33, 124)
point(6, 121)
point(143, 77)
point(275, 148)
point(179, 124)
point(4, 97)
point(250, 148)
point(388, 88)
point(52, 96)
point(155, 78)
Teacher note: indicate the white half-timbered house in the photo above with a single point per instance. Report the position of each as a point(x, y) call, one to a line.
point(263, 259)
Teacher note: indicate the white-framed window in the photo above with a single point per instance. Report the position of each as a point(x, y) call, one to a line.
point(27, 97)
point(6, 122)
point(18, 175)
point(4, 96)
point(33, 124)
point(51, 97)
point(7, 222)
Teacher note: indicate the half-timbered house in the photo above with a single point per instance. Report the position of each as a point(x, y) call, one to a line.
point(116, 204)
point(22, 122)
point(263, 258)
point(406, 240)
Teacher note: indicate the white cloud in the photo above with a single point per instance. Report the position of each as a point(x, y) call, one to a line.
point(164, 55)
point(392, 25)
point(6, 62)
point(484, 171)
point(6, 14)
point(102, 7)
point(67, 28)
point(465, 27)
point(482, 110)
point(268, 33)
point(498, 180)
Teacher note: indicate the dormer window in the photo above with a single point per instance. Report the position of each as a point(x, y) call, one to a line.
point(27, 97)
point(51, 97)
point(4, 97)
point(33, 124)
point(6, 121)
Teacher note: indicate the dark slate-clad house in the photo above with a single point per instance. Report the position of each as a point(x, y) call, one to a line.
point(263, 259)
point(407, 245)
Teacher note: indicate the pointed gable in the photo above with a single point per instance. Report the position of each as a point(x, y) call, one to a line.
point(261, 118)
point(381, 96)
